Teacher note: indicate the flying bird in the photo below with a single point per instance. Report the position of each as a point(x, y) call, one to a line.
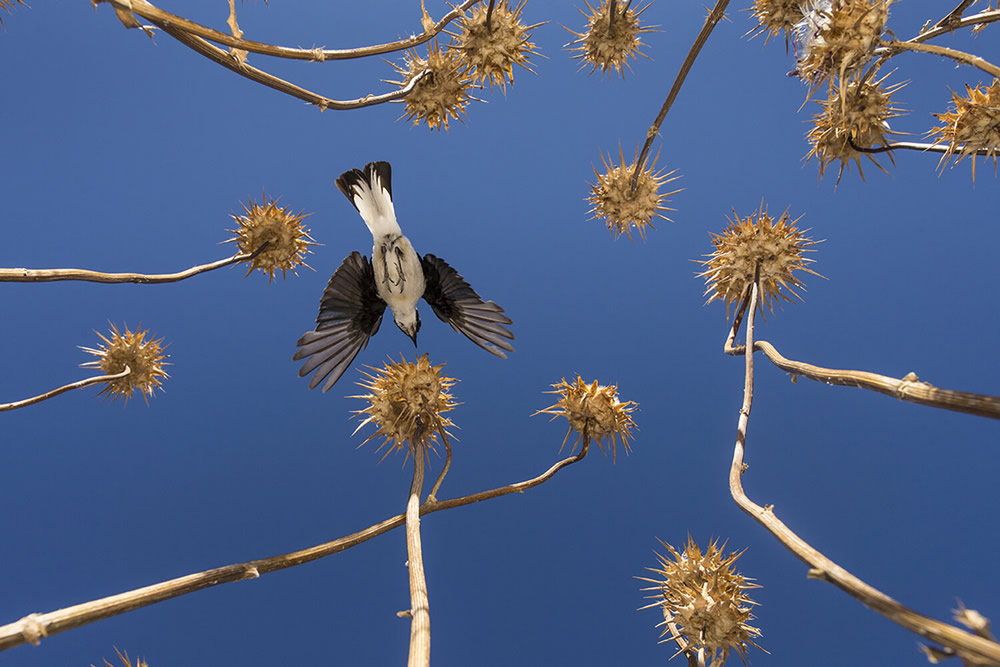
point(396, 276)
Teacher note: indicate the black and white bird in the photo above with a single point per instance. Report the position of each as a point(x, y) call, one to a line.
point(358, 292)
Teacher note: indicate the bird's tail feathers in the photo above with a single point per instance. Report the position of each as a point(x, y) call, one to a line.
point(370, 191)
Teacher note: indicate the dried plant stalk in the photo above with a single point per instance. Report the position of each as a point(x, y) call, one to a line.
point(51, 275)
point(61, 390)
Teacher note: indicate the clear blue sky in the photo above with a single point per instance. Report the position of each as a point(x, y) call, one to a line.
point(122, 154)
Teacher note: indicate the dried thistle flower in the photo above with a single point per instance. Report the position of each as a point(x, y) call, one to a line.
point(286, 237)
point(123, 656)
point(441, 95)
point(594, 412)
point(622, 208)
point(704, 602)
point(407, 401)
point(778, 247)
point(490, 53)
point(972, 124)
point(612, 36)
point(774, 16)
point(856, 113)
point(145, 359)
point(838, 36)
point(8, 5)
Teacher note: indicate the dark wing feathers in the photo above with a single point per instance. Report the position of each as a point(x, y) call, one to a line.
point(349, 314)
point(456, 303)
point(347, 180)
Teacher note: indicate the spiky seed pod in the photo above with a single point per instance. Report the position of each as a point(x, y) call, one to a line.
point(778, 247)
point(972, 124)
point(140, 662)
point(407, 402)
point(622, 208)
point(775, 16)
point(491, 53)
point(838, 36)
point(441, 95)
point(594, 413)
point(286, 237)
point(704, 601)
point(611, 38)
point(145, 359)
point(858, 113)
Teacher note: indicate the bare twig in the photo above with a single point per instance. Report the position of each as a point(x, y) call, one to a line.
point(160, 18)
point(50, 275)
point(713, 19)
point(61, 390)
point(954, 15)
point(444, 470)
point(420, 615)
point(942, 27)
point(909, 388)
point(824, 568)
point(35, 627)
point(259, 76)
point(954, 54)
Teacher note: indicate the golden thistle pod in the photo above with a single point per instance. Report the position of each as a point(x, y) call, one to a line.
point(613, 35)
point(775, 16)
point(778, 247)
point(839, 36)
point(143, 356)
point(442, 94)
point(407, 402)
point(972, 124)
point(594, 413)
point(490, 52)
point(287, 239)
point(856, 114)
point(704, 601)
point(623, 208)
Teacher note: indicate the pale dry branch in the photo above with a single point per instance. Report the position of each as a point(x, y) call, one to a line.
point(954, 54)
point(35, 627)
point(822, 567)
point(420, 614)
point(51, 275)
point(713, 19)
point(160, 17)
point(432, 496)
point(259, 76)
point(4, 407)
point(945, 26)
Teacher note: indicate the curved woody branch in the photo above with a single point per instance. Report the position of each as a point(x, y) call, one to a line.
point(4, 407)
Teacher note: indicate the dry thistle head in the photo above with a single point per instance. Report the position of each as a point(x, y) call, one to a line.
point(704, 601)
point(612, 36)
point(490, 53)
point(407, 401)
point(144, 358)
point(778, 247)
point(972, 124)
point(286, 237)
point(838, 36)
point(594, 412)
point(8, 5)
point(622, 208)
point(123, 656)
point(442, 94)
point(774, 16)
point(857, 112)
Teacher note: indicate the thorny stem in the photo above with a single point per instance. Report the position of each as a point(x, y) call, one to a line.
point(955, 14)
point(61, 390)
point(432, 497)
point(945, 25)
point(35, 627)
point(713, 19)
point(50, 275)
point(420, 616)
point(159, 17)
point(259, 76)
point(822, 567)
point(954, 54)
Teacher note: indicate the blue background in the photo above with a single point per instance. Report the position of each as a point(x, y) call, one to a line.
point(121, 154)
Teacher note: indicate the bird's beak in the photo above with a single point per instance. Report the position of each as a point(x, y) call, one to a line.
point(413, 337)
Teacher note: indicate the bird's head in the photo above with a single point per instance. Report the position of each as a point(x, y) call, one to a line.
point(409, 324)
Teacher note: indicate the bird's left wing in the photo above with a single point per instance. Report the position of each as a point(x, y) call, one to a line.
point(349, 314)
point(456, 303)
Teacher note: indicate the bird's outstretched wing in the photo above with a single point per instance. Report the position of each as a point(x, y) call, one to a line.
point(456, 303)
point(349, 314)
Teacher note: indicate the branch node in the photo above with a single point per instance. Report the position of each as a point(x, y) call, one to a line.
point(406, 613)
point(817, 573)
point(32, 629)
point(251, 573)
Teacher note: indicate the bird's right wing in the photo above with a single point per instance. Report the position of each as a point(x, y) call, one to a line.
point(349, 314)
point(456, 303)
